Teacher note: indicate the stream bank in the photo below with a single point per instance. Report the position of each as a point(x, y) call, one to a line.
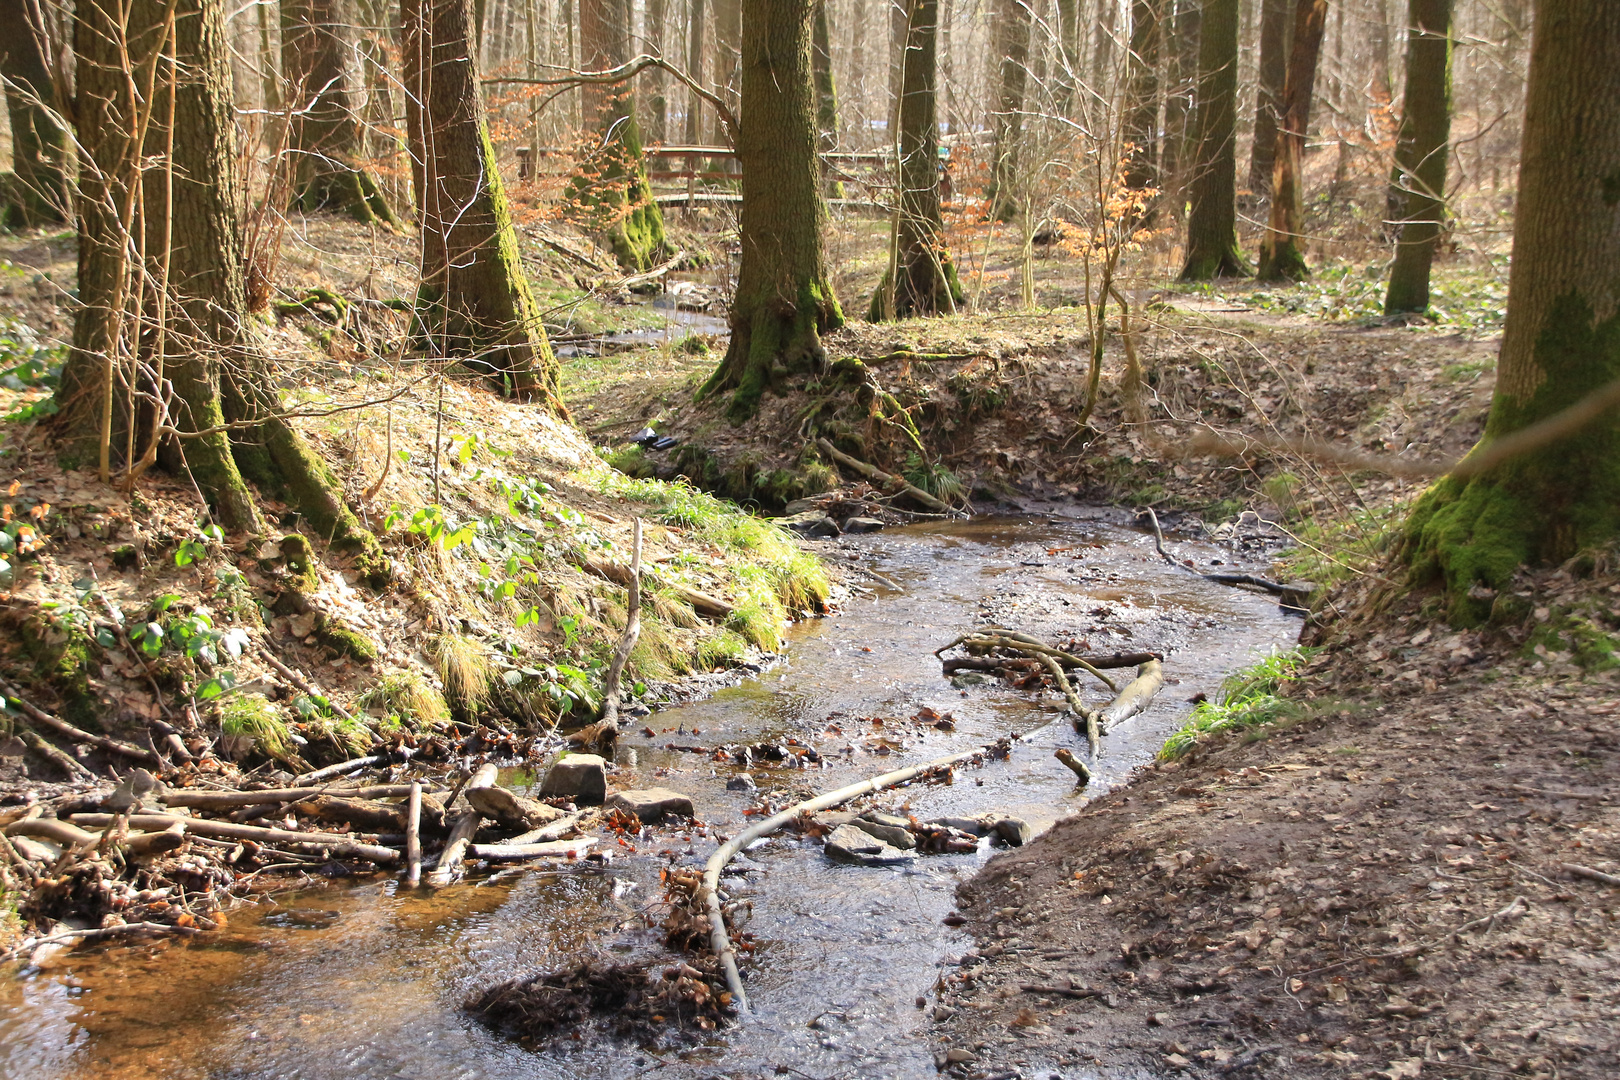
point(283, 989)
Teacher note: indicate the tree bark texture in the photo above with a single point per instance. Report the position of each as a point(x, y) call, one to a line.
point(694, 68)
point(1179, 153)
point(193, 346)
point(727, 59)
point(1275, 23)
point(927, 283)
point(784, 300)
point(1212, 247)
point(826, 93)
point(1280, 256)
point(1422, 151)
point(473, 301)
point(610, 187)
point(1561, 341)
point(1142, 106)
point(326, 139)
point(658, 78)
point(1011, 36)
point(39, 188)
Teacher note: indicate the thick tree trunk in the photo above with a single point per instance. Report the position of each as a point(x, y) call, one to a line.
point(927, 282)
point(1280, 256)
point(1180, 151)
point(611, 184)
point(1561, 342)
point(1142, 106)
point(473, 301)
point(39, 189)
point(784, 300)
point(194, 348)
point(1212, 247)
point(1275, 24)
point(727, 60)
point(326, 137)
point(694, 68)
point(1011, 37)
point(658, 78)
point(826, 93)
point(1423, 150)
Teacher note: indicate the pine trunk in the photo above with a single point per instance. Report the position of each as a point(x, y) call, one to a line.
point(610, 186)
point(1425, 146)
point(784, 300)
point(1012, 31)
point(1275, 23)
point(1280, 256)
point(927, 283)
point(38, 192)
point(1212, 247)
point(326, 139)
point(1561, 342)
point(473, 302)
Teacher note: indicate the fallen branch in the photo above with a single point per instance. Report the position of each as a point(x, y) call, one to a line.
point(1077, 707)
point(886, 480)
point(1102, 663)
point(233, 831)
point(1063, 991)
point(223, 800)
point(303, 684)
point(62, 727)
point(632, 631)
point(340, 769)
point(624, 72)
point(709, 607)
point(567, 849)
point(1590, 874)
point(448, 868)
point(1023, 643)
point(1294, 592)
point(413, 836)
point(94, 934)
point(66, 762)
point(1081, 773)
point(1135, 697)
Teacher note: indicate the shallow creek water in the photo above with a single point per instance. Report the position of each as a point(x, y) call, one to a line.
point(362, 978)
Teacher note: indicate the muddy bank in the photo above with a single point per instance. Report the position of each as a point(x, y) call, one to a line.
point(1377, 886)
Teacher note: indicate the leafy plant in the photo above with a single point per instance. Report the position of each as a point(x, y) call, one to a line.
point(1249, 698)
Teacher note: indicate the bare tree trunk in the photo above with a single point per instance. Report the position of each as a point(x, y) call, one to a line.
point(694, 68)
point(1280, 256)
point(727, 59)
point(1011, 36)
point(1180, 155)
point(1142, 107)
point(1426, 140)
point(39, 189)
point(1561, 343)
point(784, 300)
point(1212, 247)
point(474, 301)
point(826, 92)
point(1275, 24)
point(658, 103)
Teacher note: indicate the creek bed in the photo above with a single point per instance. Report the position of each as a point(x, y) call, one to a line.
point(361, 978)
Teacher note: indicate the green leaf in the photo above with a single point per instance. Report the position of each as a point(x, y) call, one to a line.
point(512, 678)
point(216, 686)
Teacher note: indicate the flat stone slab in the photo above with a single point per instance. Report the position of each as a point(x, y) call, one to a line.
point(651, 804)
point(893, 835)
point(850, 844)
point(581, 777)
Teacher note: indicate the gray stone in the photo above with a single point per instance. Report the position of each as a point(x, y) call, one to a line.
point(513, 811)
point(894, 821)
point(741, 782)
point(862, 525)
point(831, 819)
point(1014, 831)
point(892, 835)
point(651, 804)
point(799, 506)
point(811, 524)
point(971, 826)
point(849, 844)
point(581, 777)
point(967, 679)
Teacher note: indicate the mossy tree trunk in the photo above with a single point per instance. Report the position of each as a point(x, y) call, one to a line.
point(326, 138)
point(1422, 151)
point(1212, 247)
point(784, 300)
point(196, 336)
point(1142, 115)
point(38, 143)
point(1275, 23)
point(1562, 339)
point(1011, 36)
point(927, 282)
point(1280, 256)
point(826, 95)
point(610, 188)
point(474, 301)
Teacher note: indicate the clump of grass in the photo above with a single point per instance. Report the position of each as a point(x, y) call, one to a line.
point(1334, 549)
point(252, 716)
point(464, 667)
point(933, 478)
point(407, 699)
point(1249, 699)
point(630, 460)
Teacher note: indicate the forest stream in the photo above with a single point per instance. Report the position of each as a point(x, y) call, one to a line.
point(364, 978)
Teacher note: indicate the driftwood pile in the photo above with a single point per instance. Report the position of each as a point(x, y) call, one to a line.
point(143, 857)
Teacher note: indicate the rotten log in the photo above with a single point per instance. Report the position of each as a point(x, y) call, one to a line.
point(66, 762)
point(258, 833)
point(888, 481)
point(566, 849)
point(509, 809)
point(363, 814)
point(1135, 697)
point(225, 800)
point(341, 768)
point(62, 727)
point(1078, 767)
point(449, 867)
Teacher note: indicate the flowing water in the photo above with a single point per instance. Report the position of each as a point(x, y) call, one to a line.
point(366, 979)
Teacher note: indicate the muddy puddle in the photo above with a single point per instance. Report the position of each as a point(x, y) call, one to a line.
point(360, 978)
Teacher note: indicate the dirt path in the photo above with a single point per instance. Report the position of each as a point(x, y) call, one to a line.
point(1376, 890)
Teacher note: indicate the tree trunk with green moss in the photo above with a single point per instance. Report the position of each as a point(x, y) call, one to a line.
point(784, 300)
point(610, 186)
point(826, 96)
point(39, 188)
point(223, 407)
point(1011, 37)
point(1280, 256)
point(1212, 247)
point(1561, 342)
point(928, 283)
point(473, 302)
point(1421, 153)
point(326, 138)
